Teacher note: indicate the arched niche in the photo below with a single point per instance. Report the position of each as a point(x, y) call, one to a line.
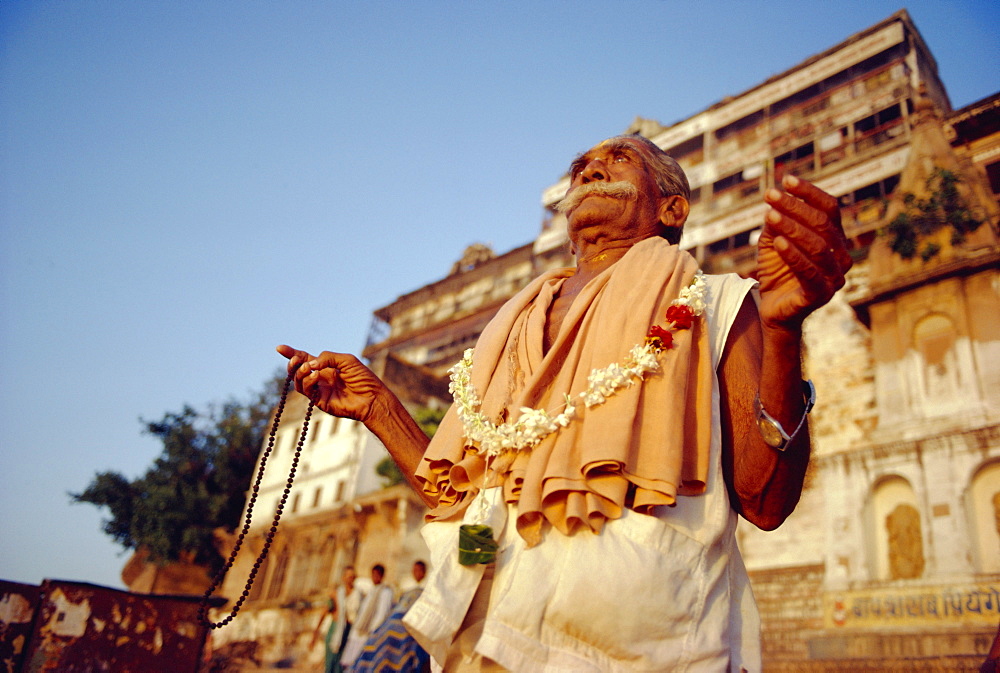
point(941, 385)
point(984, 509)
point(897, 530)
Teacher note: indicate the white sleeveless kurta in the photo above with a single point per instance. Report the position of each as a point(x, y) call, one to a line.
point(648, 593)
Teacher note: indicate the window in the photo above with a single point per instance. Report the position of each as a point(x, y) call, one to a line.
point(301, 561)
point(733, 254)
point(727, 182)
point(745, 238)
point(877, 80)
point(453, 348)
point(862, 209)
point(833, 147)
point(737, 186)
point(317, 496)
point(720, 246)
point(287, 436)
point(690, 152)
point(316, 429)
point(993, 173)
point(798, 161)
point(740, 240)
point(257, 588)
point(798, 98)
point(740, 125)
point(277, 579)
point(325, 557)
point(310, 572)
point(878, 128)
point(816, 106)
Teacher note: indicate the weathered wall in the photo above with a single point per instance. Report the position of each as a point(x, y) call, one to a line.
point(83, 627)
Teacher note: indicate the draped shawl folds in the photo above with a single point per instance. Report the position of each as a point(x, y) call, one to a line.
point(641, 448)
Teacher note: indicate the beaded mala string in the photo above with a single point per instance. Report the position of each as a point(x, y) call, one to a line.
point(269, 537)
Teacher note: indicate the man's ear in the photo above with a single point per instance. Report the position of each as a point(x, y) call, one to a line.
point(674, 211)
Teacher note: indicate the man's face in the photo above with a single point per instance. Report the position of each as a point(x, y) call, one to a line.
point(349, 576)
point(418, 571)
point(628, 209)
point(376, 576)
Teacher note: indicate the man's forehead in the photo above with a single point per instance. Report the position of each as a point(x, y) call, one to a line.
point(616, 143)
point(609, 145)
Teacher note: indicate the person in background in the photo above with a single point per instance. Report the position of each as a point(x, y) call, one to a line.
point(374, 609)
point(391, 649)
point(342, 610)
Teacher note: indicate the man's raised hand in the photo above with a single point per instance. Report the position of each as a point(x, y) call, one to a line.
point(337, 383)
point(802, 253)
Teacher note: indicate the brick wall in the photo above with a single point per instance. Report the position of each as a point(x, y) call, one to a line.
point(793, 640)
point(791, 608)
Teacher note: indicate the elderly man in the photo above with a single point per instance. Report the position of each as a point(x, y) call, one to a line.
point(613, 420)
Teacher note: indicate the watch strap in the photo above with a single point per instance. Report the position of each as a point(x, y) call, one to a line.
point(783, 438)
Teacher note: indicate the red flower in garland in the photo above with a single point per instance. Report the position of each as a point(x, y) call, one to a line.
point(660, 337)
point(680, 315)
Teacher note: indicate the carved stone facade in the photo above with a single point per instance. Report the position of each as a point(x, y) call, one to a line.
point(898, 511)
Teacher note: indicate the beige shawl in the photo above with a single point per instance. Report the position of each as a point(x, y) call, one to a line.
point(645, 445)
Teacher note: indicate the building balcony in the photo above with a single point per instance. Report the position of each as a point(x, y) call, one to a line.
point(742, 261)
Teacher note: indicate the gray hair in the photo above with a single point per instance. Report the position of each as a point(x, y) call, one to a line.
point(669, 175)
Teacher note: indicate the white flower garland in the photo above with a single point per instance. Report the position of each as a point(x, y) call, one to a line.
point(534, 425)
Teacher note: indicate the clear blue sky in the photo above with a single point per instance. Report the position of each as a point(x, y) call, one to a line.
point(185, 185)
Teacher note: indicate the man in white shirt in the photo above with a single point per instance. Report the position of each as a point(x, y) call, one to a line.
point(374, 609)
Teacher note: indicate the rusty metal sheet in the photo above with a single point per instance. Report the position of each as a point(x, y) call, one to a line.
point(18, 603)
point(87, 628)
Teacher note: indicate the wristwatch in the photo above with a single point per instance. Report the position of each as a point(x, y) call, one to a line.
point(771, 431)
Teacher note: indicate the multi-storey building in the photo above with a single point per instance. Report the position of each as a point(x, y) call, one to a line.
point(838, 119)
point(893, 554)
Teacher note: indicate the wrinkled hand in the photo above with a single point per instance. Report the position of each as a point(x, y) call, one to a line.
point(338, 384)
point(801, 255)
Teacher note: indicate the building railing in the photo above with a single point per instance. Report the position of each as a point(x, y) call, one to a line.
point(803, 168)
point(866, 140)
point(863, 216)
point(741, 260)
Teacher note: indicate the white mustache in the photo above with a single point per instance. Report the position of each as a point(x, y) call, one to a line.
point(616, 190)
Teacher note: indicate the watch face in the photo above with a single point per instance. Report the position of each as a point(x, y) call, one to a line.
point(770, 433)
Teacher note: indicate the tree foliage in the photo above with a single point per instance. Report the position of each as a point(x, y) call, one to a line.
point(196, 485)
point(944, 206)
point(389, 471)
point(428, 419)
